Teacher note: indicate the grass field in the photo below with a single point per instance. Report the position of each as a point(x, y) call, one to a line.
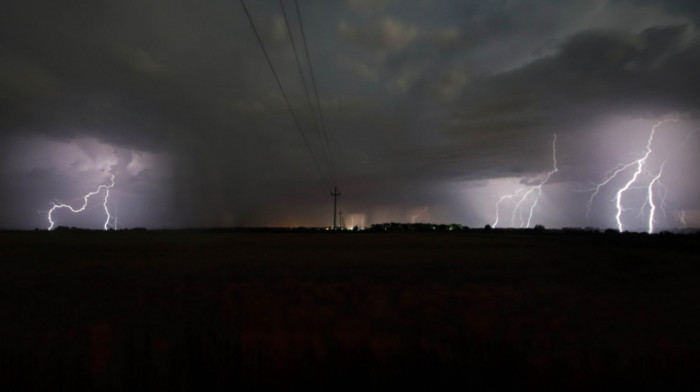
point(183, 310)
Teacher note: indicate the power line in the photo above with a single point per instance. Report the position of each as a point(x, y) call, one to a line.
point(301, 73)
point(279, 84)
point(313, 83)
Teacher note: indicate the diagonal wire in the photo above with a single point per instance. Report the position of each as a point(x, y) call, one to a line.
point(301, 74)
point(279, 84)
point(313, 84)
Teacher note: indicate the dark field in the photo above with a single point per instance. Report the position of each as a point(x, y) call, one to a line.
point(327, 311)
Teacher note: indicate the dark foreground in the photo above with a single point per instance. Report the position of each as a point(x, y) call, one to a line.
point(329, 311)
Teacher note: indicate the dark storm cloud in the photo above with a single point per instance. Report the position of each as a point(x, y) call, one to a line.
point(415, 93)
point(133, 72)
point(443, 72)
point(594, 74)
point(154, 76)
point(689, 8)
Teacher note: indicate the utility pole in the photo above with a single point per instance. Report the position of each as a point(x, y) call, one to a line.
point(340, 218)
point(335, 195)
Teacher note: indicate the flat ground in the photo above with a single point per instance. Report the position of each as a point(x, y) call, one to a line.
point(327, 311)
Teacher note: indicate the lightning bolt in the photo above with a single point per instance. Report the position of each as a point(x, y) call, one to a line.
point(618, 199)
point(609, 177)
point(640, 165)
point(82, 208)
point(107, 209)
point(681, 217)
point(500, 201)
point(650, 195)
point(114, 223)
point(517, 208)
point(421, 212)
point(536, 190)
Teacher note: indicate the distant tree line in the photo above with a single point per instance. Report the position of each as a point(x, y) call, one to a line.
point(62, 229)
point(423, 227)
point(405, 227)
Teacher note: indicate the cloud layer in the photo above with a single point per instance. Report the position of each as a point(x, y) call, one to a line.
point(424, 101)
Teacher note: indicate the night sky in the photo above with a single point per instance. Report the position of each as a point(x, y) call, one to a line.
point(433, 111)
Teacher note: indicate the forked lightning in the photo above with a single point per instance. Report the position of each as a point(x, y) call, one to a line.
point(536, 190)
point(82, 208)
point(640, 165)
